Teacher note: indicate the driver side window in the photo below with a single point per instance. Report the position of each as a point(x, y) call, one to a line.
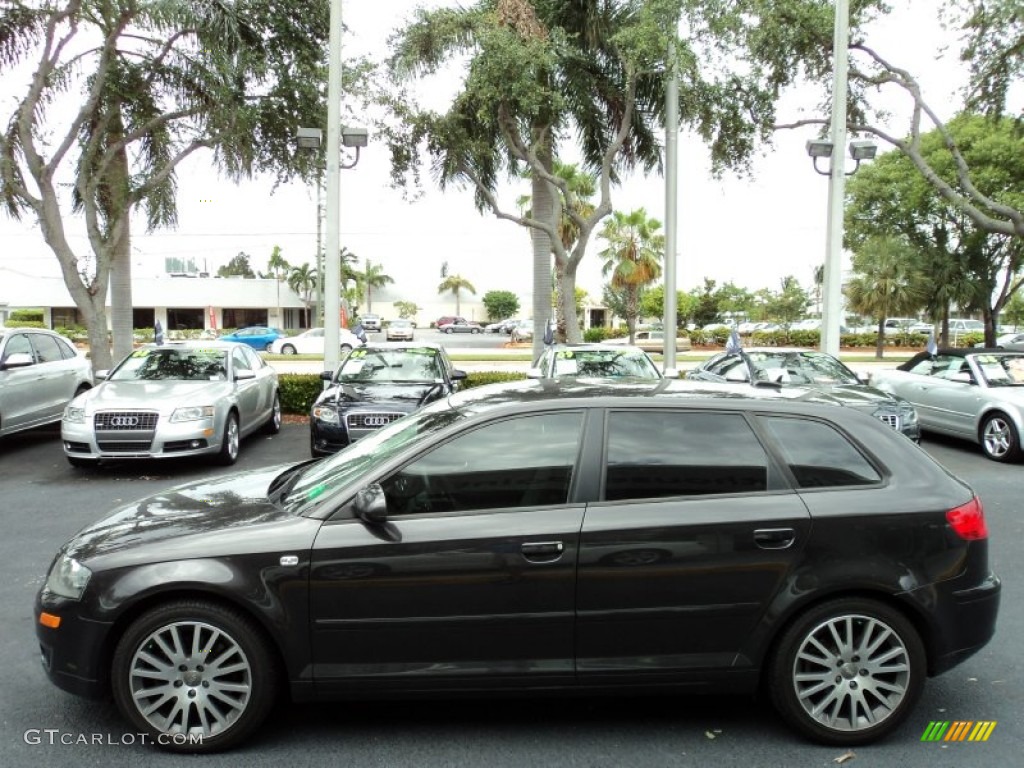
point(520, 462)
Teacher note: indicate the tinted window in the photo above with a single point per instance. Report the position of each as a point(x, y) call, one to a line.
point(653, 454)
point(521, 462)
point(47, 350)
point(66, 349)
point(818, 455)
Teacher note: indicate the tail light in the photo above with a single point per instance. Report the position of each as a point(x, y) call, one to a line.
point(968, 520)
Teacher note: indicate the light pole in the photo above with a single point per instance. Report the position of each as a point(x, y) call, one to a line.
point(312, 138)
point(832, 312)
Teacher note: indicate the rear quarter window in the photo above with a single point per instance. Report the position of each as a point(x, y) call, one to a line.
point(818, 455)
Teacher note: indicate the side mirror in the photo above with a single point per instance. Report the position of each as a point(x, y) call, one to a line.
point(370, 505)
point(101, 375)
point(326, 375)
point(244, 375)
point(458, 375)
point(535, 373)
point(18, 360)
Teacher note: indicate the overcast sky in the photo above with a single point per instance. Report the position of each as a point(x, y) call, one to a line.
point(750, 231)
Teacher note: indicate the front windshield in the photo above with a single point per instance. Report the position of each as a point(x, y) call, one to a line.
point(179, 364)
point(800, 368)
point(349, 464)
point(603, 363)
point(1001, 370)
point(398, 366)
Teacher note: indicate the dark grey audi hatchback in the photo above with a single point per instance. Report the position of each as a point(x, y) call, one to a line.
point(536, 536)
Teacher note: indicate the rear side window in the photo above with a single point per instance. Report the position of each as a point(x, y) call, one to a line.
point(47, 349)
point(654, 454)
point(818, 455)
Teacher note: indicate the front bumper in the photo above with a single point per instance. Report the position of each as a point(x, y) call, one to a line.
point(167, 440)
point(72, 655)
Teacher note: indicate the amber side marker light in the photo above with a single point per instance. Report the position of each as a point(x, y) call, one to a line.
point(968, 520)
point(49, 620)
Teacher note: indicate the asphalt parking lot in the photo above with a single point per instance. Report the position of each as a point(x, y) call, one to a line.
point(45, 501)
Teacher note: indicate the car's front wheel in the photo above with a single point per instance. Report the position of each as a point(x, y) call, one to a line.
point(448, 330)
point(999, 438)
point(847, 672)
point(269, 347)
point(288, 349)
point(196, 676)
point(229, 444)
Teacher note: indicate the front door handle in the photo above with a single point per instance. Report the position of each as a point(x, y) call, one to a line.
point(774, 538)
point(542, 551)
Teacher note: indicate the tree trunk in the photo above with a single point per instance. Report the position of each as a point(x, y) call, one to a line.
point(631, 311)
point(567, 305)
point(991, 318)
point(119, 240)
point(880, 343)
point(543, 210)
point(458, 311)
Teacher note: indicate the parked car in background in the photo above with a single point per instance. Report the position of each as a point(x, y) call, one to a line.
point(894, 325)
point(173, 400)
point(502, 326)
point(40, 373)
point(974, 394)
point(924, 328)
point(539, 536)
point(374, 386)
point(461, 326)
point(609, 361)
point(311, 342)
point(1010, 341)
point(399, 330)
point(370, 322)
point(446, 319)
point(259, 337)
point(652, 341)
point(522, 331)
point(791, 366)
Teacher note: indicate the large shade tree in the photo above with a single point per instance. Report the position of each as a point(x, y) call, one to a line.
point(552, 78)
point(119, 92)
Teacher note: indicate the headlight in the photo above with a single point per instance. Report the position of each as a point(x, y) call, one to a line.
point(908, 413)
point(192, 413)
point(68, 578)
point(326, 414)
point(74, 415)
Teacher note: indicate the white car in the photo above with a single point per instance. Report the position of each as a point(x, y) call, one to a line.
point(311, 342)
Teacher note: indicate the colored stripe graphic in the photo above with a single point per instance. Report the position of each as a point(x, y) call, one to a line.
point(959, 730)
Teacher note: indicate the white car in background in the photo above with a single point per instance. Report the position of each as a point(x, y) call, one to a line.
point(311, 342)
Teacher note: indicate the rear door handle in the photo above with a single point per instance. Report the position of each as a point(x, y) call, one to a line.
point(774, 538)
point(542, 551)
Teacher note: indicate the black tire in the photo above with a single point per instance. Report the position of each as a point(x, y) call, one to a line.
point(273, 425)
point(288, 349)
point(345, 348)
point(229, 444)
point(245, 693)
point(475, 330)
point(448, 330)
point(887, 684)
point(269, 347)
point(999, 438)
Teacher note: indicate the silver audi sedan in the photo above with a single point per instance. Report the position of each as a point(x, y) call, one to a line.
point(172, 400)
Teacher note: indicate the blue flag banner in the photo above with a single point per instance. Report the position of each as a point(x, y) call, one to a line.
point(931, 346)
point(733, 345)
point(549, 334)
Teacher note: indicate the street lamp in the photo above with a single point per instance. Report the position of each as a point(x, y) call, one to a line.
point(859, 150)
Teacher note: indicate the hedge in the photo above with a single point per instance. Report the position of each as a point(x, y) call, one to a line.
point(25, 323)
point(802, 338)
point(299, 390)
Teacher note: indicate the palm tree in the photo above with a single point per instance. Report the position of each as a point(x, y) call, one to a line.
point(885, 283)
point(632, 257)
point(303, 280)
point(454, 284)
point(278, 269)
point(374, 277)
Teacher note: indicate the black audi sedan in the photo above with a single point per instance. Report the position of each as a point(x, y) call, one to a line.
point(808, 368)
point(536, 536)
point(375, 385)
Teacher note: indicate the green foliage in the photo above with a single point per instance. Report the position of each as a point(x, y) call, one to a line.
point(238, 266)
point(406, 309)
point(480, 378)
point(500, 304)
point(595, 335)
point(30, 315)
point(25, 324)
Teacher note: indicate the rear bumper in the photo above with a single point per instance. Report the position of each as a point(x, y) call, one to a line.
point(967, 622)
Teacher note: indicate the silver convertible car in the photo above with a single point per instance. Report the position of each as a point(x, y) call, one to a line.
point(974, 394)
point(179, 399)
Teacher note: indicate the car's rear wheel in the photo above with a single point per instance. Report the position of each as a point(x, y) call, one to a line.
point(195, 676)
point(273, 425)
point(999, 438)
point(288, 349)
point(475, 330)
point(448, 330)
point(269, 347)
point(229, 444)
point(847, 672)
point(346, 348)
